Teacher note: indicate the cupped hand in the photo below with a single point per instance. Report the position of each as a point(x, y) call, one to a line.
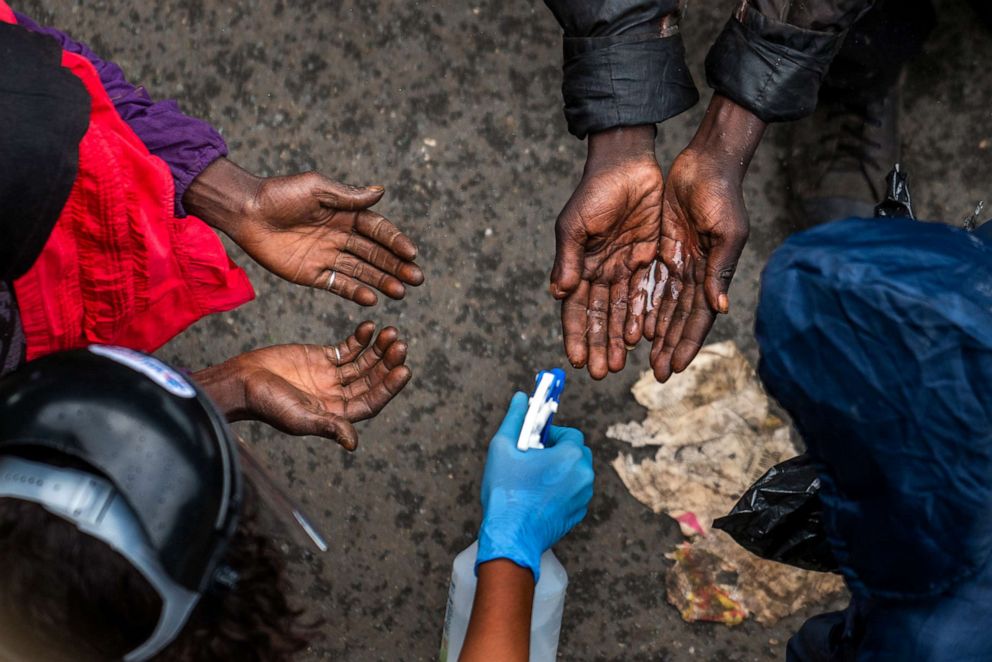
point(320, 233)
point(607, 237)
point(321, 390)
point(704, 228)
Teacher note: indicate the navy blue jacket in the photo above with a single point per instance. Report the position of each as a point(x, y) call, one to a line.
point(876, 336)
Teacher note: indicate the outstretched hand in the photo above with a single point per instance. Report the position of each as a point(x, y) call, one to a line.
point(606, 239)
point(309, 230)
point(704, 228)
point(313, 231)
point(313, 389)
point(703, 231)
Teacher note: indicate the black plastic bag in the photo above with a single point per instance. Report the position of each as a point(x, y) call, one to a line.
point(780, 517)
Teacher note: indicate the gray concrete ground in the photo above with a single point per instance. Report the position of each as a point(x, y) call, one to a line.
point(454, 107)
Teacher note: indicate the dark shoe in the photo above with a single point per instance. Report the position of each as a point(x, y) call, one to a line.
point(840, 156)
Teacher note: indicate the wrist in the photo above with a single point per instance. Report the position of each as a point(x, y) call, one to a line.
point(225, 385)
point(223, 196)
point(498, 541)
point(506, 571)
point(728, 136)
point(620, 144)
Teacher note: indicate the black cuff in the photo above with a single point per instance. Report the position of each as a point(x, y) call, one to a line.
point(773, 69)
point(624, 81)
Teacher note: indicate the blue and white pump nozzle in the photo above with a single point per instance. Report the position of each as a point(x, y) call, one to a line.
point(548, 386)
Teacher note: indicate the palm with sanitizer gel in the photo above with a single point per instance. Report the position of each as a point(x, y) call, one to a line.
point(552, 580)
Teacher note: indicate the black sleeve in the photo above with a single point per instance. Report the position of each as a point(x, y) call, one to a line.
point(624, 63)
point(773, 54)
point(50, 110)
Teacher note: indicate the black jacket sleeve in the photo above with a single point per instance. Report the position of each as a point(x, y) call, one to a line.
point(773, 54)
point(624, 63)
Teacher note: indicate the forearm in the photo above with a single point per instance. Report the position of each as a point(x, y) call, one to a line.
point(225, 384)
point(728, 136)
point(221, 195)
point(499, 628)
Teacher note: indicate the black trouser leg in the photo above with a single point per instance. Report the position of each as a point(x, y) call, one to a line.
point(984, 9)
point(878, 47)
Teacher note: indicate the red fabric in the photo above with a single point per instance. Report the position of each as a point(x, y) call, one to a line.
point(119, 268)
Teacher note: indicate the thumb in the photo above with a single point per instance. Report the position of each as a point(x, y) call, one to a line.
point(570, 253)
point(347, 197)
point(514, 419)
point(721, 263)
point(340, 430)
point(318, 422)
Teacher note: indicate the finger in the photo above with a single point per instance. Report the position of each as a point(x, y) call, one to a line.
point(656, 294)
point(669, 303)
point(386, 338)
point(513, 421)
point(680, 317)
point(616, 352)
point(598, 310)
point(559, 435)
point(697, 327)
point(340, 430)
point(570, 242)
point(351, 371)
point(345, 196)
point(346, 263)
point(664, 344)
point(721, 263)
point(376, 254)
point(372, 401)
point(675, 277)
point(310, 418)
point(573, 324)
point(380, 230)
point(348, 350)
point(394, 357)
point(345, 286)
point(637, 293)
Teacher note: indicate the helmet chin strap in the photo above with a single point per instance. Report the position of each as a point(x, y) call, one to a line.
point(97, 509)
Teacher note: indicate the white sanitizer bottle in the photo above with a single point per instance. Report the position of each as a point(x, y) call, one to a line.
point(545, 621)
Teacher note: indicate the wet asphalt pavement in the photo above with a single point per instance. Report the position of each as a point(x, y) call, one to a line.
point(454, 107)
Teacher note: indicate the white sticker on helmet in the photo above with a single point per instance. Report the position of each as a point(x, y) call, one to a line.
point(149, 366)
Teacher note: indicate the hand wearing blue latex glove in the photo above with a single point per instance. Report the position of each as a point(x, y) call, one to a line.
point(531, 499)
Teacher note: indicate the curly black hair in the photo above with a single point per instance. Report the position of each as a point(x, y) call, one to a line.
point(75, 598)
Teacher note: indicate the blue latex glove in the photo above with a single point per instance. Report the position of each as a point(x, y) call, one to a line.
point(531, 499)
